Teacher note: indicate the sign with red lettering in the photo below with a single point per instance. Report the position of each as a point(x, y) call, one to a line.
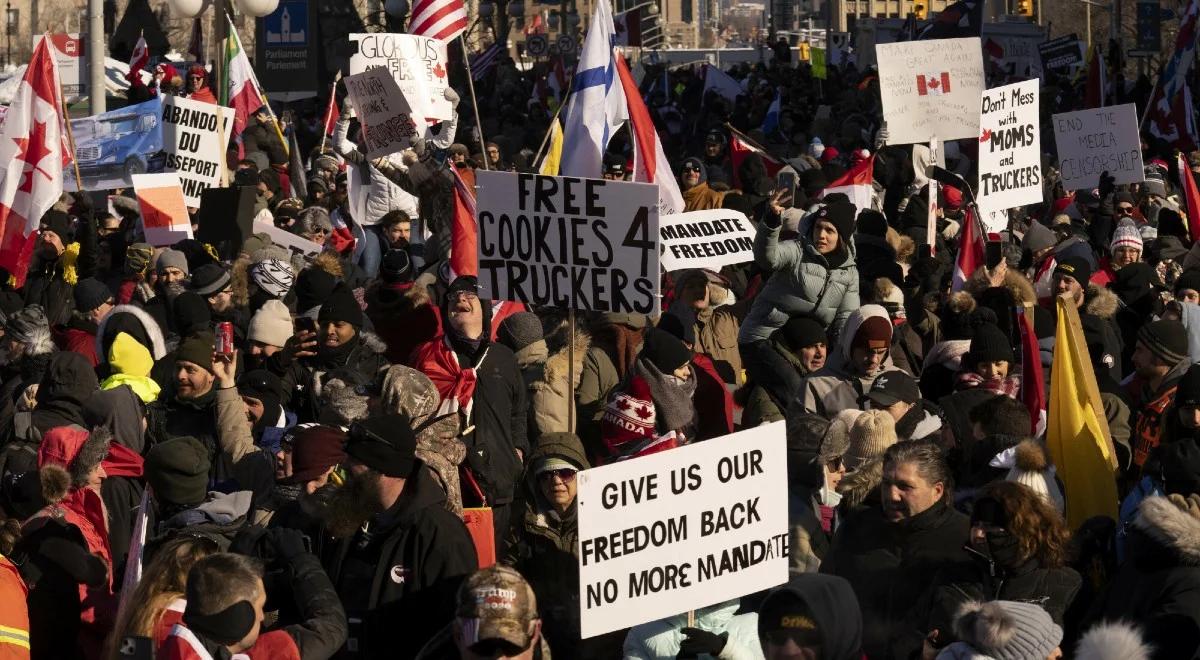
point(418, 64)
point(682, 529)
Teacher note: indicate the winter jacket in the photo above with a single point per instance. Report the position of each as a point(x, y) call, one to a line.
point(382, 194)
point(702, 198)
point(14, 613)
point(50, 283)
point(659, 640)
point(216, 418)
point(889, 564)
point(835, 609)
point(77, 335)
point(876, 258)
point(717, 337)
point(69, 381)
point(759, 407)
point(712, 400)
point(542, 546)
point(404, 566)
point(219, 517)
point(834, 387)
point(957, 408)
point(403, 319)
point(304, 378)
point(1151, 410)
point(802, 283)
point(550, 395)
point(1158, 587)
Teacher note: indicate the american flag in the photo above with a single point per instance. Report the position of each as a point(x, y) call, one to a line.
point(484, 62)
point(438, 19)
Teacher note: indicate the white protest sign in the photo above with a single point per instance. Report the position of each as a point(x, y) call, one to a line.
point(192, 140)
point(1098, 140)
point(931, 89)
point(418, 65)
point(165, 218)
point(1010, 147)
point(287, 239)
point(682, 529)
point(705, 239)
point(567, 242)
point(388, 123)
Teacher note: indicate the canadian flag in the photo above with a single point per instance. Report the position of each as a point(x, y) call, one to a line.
point(464, 237)
point(141, 56)
point(970, 250)
point(650, 162)
point(933, 84)
point(34, 152)
point(856, 183)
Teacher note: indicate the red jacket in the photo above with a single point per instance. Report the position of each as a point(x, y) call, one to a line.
point(181, 644)
point(76, 340)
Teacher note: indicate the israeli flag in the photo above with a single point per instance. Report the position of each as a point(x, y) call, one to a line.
point(597, 104)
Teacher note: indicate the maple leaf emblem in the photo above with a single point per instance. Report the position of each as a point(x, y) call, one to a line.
point(439, 71)
point(622, 405)
point(643, 412)
point(987, 135)
point(31, 151)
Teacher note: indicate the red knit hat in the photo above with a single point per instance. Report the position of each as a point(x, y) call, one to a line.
point(315, 450)
point(875, 332)
point(628, 418)
point(952, 198)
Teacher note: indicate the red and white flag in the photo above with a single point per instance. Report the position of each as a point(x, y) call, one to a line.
point(970, 250)
point(856, 183)
point(1191, 196)
point(331, 112)
point(464, 240)
point(650, 163)
point(34, 152)
point(438, 19)
point(242, 93)
point(1033, 386)
point(140, 58)
point(933, 84)
point(741, 146)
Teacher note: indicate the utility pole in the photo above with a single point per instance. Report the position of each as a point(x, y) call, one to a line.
point(95, 53)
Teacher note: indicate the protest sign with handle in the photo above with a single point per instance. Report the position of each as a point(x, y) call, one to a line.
point(417, 64)
point(568, 242)
point(1098, 140)
point(1010, 153)
point(191, 137)
point(389, 124)
point(682, 529)
point(931, 89)
point(164, 213)
point(705, 239)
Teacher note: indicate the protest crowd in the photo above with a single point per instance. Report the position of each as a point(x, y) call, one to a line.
point(293, 424)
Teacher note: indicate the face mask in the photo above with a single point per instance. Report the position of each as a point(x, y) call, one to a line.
point(829, 496)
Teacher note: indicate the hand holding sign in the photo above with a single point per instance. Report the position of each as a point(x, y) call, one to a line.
point(389, 122)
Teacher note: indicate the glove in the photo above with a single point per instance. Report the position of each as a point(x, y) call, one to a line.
point(418, 144)
point(452, 97)
point(698, 641)
point(1108, 184)
point(881, 137)
point(288, 543)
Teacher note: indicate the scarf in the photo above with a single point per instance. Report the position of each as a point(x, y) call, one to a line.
point(1009, 387)
point(455, 384)
point(328, 359)
point(673, 405)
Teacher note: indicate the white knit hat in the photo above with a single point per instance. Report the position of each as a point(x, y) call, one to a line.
point(870, 436)
point(1028, 465)
point(271, 324)
point(1126, 235)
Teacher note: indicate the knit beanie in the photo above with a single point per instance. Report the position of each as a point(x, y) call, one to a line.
point(838, 433)
point(664, 351)
point(1038, 237)
point(680, 323)
point(273, 276)
point(1126, 235)
point(871, 434)
point(90, 293)
point(314, 450)
point(1031, 468)
point(341, 306)
point(190, 313)
point(875, 332)
point(177, 470)
point(841, 216)
point(209, 279)
point(171, 258)
point(816, 148)
point(802, 331)
point(699, 165)
point(313, 287)
point(961, 316)
point(58, 222)
point(197, 349)
point(396, 267)
point(1008, 630)
point(629, 416)
point(520, 330)
point(256, 242)
point(1188, 279)
point(1077, 268)
point(989, 344)
point(1166, 339)
point(872, 223)
point(271, 324)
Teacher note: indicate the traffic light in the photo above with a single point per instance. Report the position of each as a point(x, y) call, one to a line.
point(920, 11)
point(805, 54)
point(1025, 7)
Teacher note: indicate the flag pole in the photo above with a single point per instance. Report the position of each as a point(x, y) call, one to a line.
point(550, 128)
point(329, 109)
point(474, 104)
point(66, 120)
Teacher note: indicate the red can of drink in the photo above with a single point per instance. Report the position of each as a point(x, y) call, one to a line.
point(223, 342)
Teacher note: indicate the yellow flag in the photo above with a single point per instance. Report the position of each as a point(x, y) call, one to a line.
point(1077, 432)
point(554, 152)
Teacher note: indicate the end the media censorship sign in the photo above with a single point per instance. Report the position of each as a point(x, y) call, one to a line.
point(1098, 140)
point(1010, 153)
point(682, 529)
point(705, 239)
point(191, 137)
point(556, 241)
point(930, 89)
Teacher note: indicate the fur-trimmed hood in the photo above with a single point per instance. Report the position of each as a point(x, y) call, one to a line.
point(151, 331)
point(1017, 284)
point(1115, 640)
point(1171, 528)
point(556, 364)
point(1100, 301)
point(858, 485)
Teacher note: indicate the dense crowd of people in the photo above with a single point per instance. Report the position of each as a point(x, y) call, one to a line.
point(209, 450)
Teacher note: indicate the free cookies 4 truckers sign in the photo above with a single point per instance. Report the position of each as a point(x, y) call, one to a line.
point(567, 242)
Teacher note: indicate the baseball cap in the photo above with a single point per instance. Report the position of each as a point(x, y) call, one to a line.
point(892, 387)
point(496, 604)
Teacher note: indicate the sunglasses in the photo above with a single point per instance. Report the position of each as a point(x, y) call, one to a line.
point(566, 474)
point(1125, 209)
point(690, 168)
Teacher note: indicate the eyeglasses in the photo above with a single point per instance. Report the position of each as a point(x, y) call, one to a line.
point(464, 295)
point(566, 474)
point(690, 168)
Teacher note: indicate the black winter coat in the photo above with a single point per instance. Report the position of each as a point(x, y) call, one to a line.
point(500, 417)
point(890, 564)
point(402, 574)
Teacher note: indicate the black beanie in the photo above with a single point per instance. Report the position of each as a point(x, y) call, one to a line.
point(872, 223)
point(396, 267)
point(1075, 267)
point(812, 182)
point(1188, 279)
point(313, 286)
point(59, 223)
point(190, 313)
point(841, 216)
point(385, 444)
point(90, 293)
point(341, 306)
point(802, 331)
point(989, 344)
point(197, 349)
point(1134, 282)
point(1187, 393)
point(680, 324)
point(1166, 339)
point(664, 351)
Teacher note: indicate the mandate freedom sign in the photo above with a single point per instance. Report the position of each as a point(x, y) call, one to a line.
point(418, 64)
point(1098, 140)
point(930, 89)
point(192, 140)
point(389, 124)
point(587, 244)
point(705, 239)
point(1010, 154)
point(682, 529)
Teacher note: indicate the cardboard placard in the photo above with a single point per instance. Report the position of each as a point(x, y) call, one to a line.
point(389, 124)
point(682, 529)
point(931, 89)
point(192, 140)
point(417, 64)
point(705, 239)
point(1010, 147)
point(1098, 140)
point(587, 244)
point(165, 216)
point(287, 239)
point(1061, 54)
